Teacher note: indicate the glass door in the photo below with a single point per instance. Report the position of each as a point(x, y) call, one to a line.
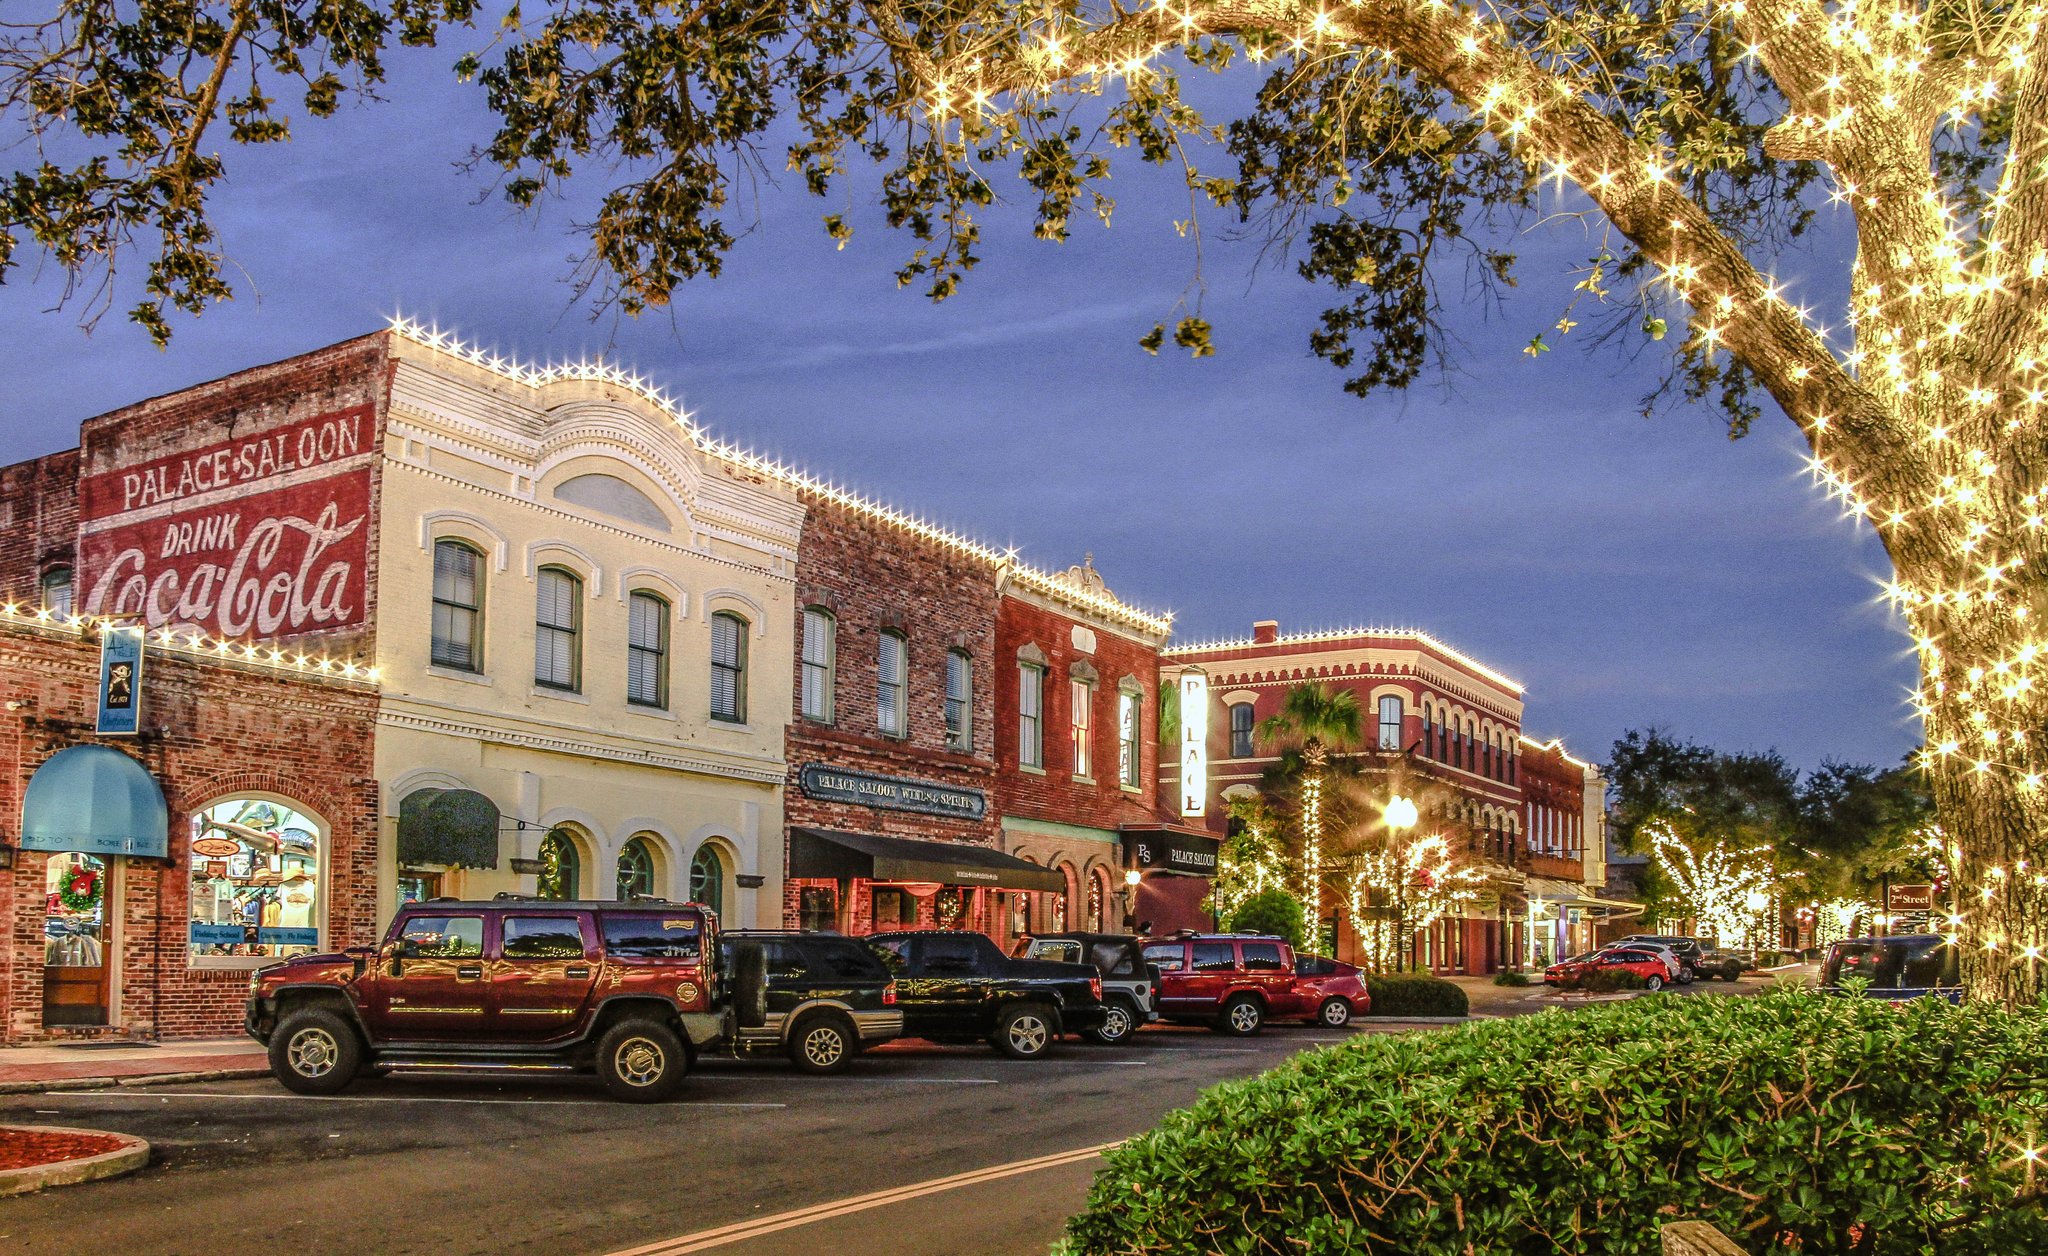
point(75, 949)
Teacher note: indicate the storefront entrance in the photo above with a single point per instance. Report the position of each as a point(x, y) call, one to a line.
point(75, 941)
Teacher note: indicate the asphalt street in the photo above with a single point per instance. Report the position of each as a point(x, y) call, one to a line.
point(918, 1150)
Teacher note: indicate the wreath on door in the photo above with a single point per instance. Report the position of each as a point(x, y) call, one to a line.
point(79, 891)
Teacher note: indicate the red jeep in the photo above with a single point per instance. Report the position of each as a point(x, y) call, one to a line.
point(631, 990)
point(1234, 982)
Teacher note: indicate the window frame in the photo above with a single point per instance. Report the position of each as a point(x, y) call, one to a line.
point(573, 630)
point(1400, 710)
point(473, 609)
point(1247, 748)
point(1130, 748)
point(49, 579)
point(892, 722)
point(737, 669)
point(960, 731)
point(826, 669)
point(1031, 715)
point(659, 650)
point(1081, 726)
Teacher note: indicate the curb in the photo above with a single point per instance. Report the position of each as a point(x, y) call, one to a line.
point(133, 1154)
point(140, 1079)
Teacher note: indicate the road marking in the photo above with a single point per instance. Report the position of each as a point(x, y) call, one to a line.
point(847, 1080)
point(740, 1231)
point(524, 1103)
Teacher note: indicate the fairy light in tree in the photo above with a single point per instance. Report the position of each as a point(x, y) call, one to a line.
point(1403, 885)
point(1725, 888)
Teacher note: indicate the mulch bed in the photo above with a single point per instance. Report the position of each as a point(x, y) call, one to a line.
point(26, 1148)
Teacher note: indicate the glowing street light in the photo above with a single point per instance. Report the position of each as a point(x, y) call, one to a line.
point(1400, 813)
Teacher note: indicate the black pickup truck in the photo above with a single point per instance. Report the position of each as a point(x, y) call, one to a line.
point(959, 987)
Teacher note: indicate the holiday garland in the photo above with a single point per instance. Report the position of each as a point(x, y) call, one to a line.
point(80, 892)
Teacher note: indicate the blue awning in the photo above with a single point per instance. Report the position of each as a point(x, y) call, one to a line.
point(97, 800)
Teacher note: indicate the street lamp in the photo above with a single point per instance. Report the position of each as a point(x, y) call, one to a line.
point(1131, 879)
point(1755, 901)
point(1399, 814)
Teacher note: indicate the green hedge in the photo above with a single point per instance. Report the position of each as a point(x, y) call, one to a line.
point(1793, 1120)
point(1603, 980)
point(1414, 994)
point(1275, 912)
point(1509, 977)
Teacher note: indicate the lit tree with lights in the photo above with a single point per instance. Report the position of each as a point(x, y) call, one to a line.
point(1314, 720)
point(1394, 136)
point(1399, 881)
point(1726, 889)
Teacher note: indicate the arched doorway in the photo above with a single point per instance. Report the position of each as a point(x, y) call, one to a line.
point(561, 871)
point(636, 869)
point(707, 878)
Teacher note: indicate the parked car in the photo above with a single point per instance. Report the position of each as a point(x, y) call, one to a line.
point(1130, 993)
point(1687, 949)
point(1232, 982)
point(1653, 967)
point(1902, 966)
point(630, 990)
point(1719, 964)
point(955, 986)
point(824, 998)
point(1335, 990)
point(1675, 970)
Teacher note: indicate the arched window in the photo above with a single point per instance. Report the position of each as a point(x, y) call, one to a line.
point(636, 869)
point(1511, 763)
point(1471, 745)
point(728, 668)
point(1443, 740)
point(892, 676)
point(1486, 756)
point(1241, 731)
point(1098, 903)
point(458, 606)
point(1428, 730)
point(707, 878)
point(56, 590)
point(821, 649)
point(557, 629)
point(561, 872)
point(1390, 722)
point(259, 884)
point(647, 619)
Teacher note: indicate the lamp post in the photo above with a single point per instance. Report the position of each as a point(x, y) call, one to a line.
point(1399, 814)
point(1131, 879)
point(1755, 901)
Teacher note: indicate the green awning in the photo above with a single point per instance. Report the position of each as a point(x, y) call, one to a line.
point(96, 800)
point(454, 827)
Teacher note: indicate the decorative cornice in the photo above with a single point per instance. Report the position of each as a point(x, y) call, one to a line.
point(1335, 635)
point(765, 775)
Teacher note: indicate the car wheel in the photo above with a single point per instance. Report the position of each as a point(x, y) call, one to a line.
point(1336, 1013)
point(1242, 1017)
point(315, 1052)
point(641, 1061)
point(1653, 984)
point(1685, 976)
point(1023, 1033)
point(822, 1044)
point(1120, 1025)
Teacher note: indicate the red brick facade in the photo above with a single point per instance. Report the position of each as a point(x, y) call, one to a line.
point(38, 523)
point(210, 729)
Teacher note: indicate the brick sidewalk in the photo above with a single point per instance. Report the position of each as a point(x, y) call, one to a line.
point(66, 1067)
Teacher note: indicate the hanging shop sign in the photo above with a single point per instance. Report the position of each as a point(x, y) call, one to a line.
point(1194, 741)
point(266, 535)
point(891, 793)
point(1168, 851)
point(120, 705)
point(1910, 898)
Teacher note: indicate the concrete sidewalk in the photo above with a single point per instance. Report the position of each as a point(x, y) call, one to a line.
point(73, 1066)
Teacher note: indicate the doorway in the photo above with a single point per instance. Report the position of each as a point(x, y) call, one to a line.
point(76, 950)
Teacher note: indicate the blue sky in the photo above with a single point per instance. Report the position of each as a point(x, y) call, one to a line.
point(1627, 571)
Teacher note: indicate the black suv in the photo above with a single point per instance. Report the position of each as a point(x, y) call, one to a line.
point(959, 987)
point(1130, 986)
point(1899, 966)
point(823, 998)
point(1686, 949)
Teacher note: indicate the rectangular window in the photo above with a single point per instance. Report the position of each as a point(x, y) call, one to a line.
point(442, 937)
point(651, 937)
point(959, 701)
point(541, 937)
point(820, 650)
point(458, 599)
point(1214, 957)
point(1128, 759)
point(647, 651)
point(1241, 731)
point(728, 668)
point(1390, 723)
point(1082, 695)
point(890, 668)
point(1262, 957)
point(555, 628)
point(818, 909)
point(1030, 715)
point(1168, 957)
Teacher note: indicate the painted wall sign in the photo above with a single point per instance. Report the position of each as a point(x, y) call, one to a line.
point(893, 793)
point(120, 702)
point(263, 536)
point(1194, 742)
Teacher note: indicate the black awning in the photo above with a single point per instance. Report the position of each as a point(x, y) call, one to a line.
point(456, 827)
point(830, 854)
point(1169, 848)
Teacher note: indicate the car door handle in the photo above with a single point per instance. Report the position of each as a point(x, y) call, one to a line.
point(466, 971)
point(579, 970)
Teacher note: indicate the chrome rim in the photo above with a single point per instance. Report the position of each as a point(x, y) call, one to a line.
point(1244, 1018)
point(313, 1052)
point(1335, 1013)
point(1653, 983)
point(639, 1061)
point(1118, 1024)
point(1028, 1034)
point(823, 1046)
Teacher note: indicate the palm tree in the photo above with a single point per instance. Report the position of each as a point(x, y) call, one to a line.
point(1313, 720)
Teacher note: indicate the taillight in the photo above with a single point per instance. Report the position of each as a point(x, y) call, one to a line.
point(1095, 988)
point(889, 995)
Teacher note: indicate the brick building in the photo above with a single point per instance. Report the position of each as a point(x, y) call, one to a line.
point(1440, 728)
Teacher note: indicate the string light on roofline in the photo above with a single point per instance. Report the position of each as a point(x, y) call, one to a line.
point(1339, 634)
point(267, 656)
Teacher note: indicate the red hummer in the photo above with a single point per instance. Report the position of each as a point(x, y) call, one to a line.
point(630, 989)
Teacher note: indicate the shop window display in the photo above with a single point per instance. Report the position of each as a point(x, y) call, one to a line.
point(256, 881)
point(74, 930)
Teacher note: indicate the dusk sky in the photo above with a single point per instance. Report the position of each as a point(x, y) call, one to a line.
point(1627, 571)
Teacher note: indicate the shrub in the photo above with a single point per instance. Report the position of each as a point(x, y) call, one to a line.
point(1605, 980)
point(1414, 994)
point(1793, 1119)
point(1275, 911)
point(1509, 977)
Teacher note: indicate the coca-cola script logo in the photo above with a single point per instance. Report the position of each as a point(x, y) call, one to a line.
point(254, 538)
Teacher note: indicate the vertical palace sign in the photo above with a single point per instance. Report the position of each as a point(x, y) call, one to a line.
point(1194, 741)
point(266, 535)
